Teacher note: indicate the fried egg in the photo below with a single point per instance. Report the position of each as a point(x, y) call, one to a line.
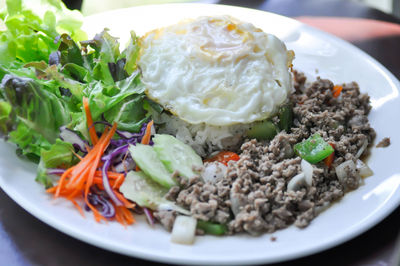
point(215, 70)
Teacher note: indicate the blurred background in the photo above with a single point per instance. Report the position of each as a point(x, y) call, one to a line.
point(94, 6)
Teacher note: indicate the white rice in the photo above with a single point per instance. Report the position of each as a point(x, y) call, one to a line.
point(204, 139)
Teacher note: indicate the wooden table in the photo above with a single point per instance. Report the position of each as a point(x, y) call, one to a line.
point(24, 240)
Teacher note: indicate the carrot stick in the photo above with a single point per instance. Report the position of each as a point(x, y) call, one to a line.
point(80, 176)
point(337, 89)
point(147, 134)
point(78, 207)
point(76, 155)
point(146, 138)
point(82, 168)
point(127, 204)
point(118, 182)
point(89, 120)
point(63, 177)
point(102, 147)
point(123, 215)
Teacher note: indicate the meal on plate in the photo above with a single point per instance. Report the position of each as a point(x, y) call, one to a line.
point(202, 126)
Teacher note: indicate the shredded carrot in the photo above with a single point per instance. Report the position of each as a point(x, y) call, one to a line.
point(123, 162)
point(329, 160)
point(102, 147)
point(147, 134)
point(99, 182)
point(92, 131)
point(118, 182)
point(146, 137)
point(61, 181)
point(78, 207)
point(78, 179)
point(76, 155)
point(337, 89)
point(111, 175)
point(127, 203)
point(123, 215)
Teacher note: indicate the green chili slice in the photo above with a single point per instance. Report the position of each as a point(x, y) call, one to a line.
point(212, 228)
point(314, 149)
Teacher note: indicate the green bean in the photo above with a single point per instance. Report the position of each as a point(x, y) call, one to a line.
point(212, 228)
point(265, 130)
point(285, 115)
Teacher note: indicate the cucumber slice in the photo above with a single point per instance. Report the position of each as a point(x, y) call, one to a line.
point(176, 155)
point(146, 193)
point(142, 190)
point(146, 158)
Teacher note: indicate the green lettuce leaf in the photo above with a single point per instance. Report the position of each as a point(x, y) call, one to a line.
point(59, 155)
point(129, 114)
point(36, 105)
point(31, 27)
point(5, 121)
point(45, 71)
point(131, 54)
point(29, 142)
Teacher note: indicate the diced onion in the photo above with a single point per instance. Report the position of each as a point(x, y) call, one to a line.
point(184, 230)
point(214, 171)
point(341, 170)
point(296, 182)
point(235, 204)
point(307, 169)
point(362, 149)
point(364, 169)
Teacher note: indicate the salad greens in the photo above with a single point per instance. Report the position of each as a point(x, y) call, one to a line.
point(59, 154)
point(30, 27)
point(47, 68)
point(59, 92)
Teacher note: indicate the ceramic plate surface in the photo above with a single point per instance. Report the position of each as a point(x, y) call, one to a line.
point(317, 53)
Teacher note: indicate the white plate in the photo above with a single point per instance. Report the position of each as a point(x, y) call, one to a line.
point(354, 214)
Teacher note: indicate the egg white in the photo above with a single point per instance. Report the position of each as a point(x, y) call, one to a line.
point(215, 70)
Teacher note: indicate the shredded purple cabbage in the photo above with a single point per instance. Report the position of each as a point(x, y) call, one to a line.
point(72, 137)
point(102, 204)
point(55, 171)
point(117, 154)
point(106, 184)
point(149, 216)
point(125, 165)
point(118, 157)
